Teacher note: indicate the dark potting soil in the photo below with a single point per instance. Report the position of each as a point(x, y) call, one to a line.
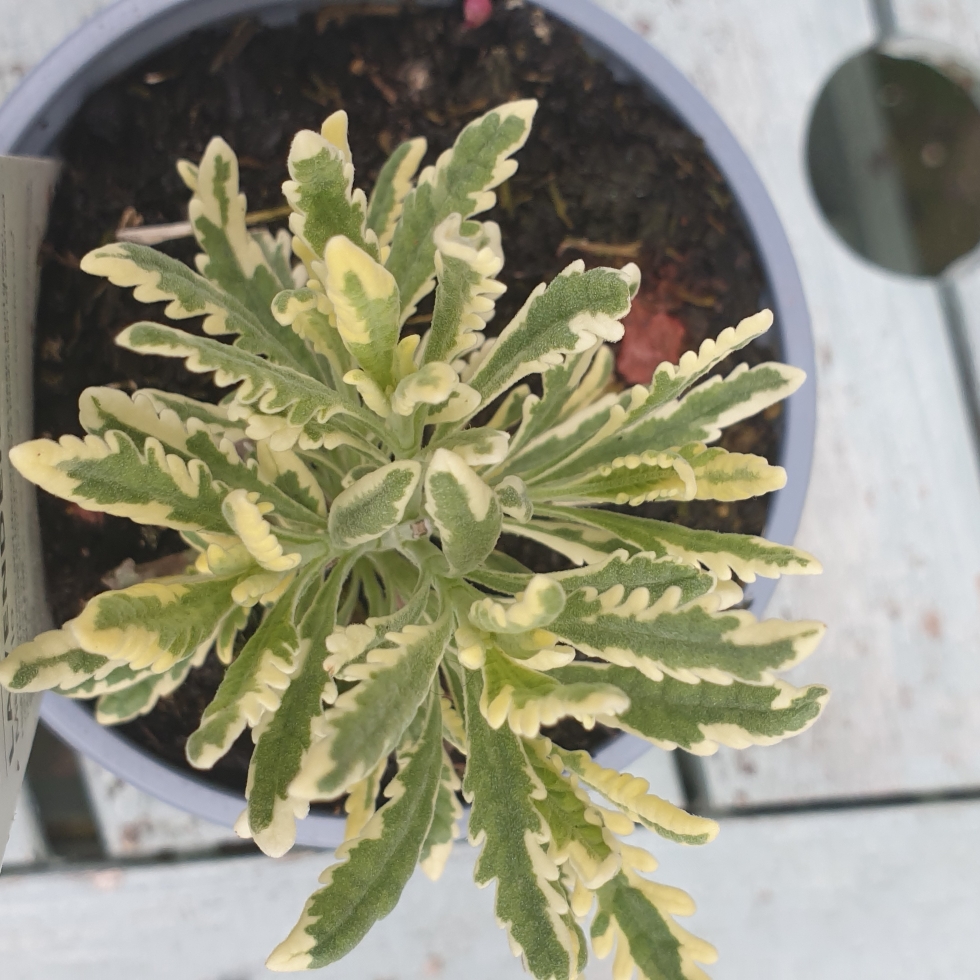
point(604, 167)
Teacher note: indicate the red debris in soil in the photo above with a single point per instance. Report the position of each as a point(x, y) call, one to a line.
point(652, 336)
point(476, 13)
point(92, 517)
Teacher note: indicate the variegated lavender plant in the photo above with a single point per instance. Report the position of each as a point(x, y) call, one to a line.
point(343, 514)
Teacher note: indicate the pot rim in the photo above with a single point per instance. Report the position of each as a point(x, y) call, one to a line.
point(34, 114)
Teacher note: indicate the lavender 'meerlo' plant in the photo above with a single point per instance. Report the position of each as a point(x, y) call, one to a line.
point(344, 473)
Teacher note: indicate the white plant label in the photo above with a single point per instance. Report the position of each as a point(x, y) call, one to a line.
point(26, 186)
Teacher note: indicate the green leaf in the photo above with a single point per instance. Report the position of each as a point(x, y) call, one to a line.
point(690, 641)
point(253, 685)
point(503, 788)
point(393, 184)
point(478, 446)
point(466, 268)
point(322, 192)
point(722, 553)
point(156, 623)
point(374, 504)
point(272, 390)
point(368, 721)
point(636, 915)
point(283, 739)
point(158, 278)
point(112, 476)
point(629, 794)
point(364, 296)
point(52, 660)
point(444, 830)
point(372, 869)
point(463, 508)
point(461, 183)
point(699, 717)
point(527, 699)
point(567, 317)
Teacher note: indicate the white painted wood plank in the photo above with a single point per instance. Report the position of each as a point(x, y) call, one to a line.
point(133, 824)
point(31, 30)
point(894, 503)
point(849, 895)
point(952, 22)
point(26, 843)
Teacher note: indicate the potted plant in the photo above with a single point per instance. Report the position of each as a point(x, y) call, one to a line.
point(356, 464)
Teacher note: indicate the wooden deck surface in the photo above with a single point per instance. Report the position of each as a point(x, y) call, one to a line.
point(894, 513)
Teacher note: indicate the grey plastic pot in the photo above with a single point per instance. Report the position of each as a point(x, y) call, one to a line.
point(37, 111)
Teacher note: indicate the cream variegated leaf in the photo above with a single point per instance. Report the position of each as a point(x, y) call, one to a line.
point(254, 683)
point(630, 794)
point(368, 721)
point(696, 640)
point(702, 414)
point(568, 316)
point(539, 603)
point(283, 738)
point(157, 623)
point(233, 258)
point(266, 389)
point(722, 553)
point(373, 868)
point(374, 504)
point(322, 194)
point(463, 508)
point(295, 497)
point(635, 918)
point(670, 380)
point(307, 311)
point(722, 475)
point(531, 903)
point(578, 835)
point(629, 480)
point(392, 186)
point(444, 829)
point(245, 516)
point(577, 382)
point(700, 717)
point(526, 699)
point(113, 476)
point(515, 501)
point(461, 182)
point(125, 702)
point(466, 268)
point(350, 644)
point(53, 661)
point(364, 296)
point(156, 277)
point(362, 801)
point(580, 543)
point(480, 446)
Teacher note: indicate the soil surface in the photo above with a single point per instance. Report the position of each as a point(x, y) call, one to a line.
point(607, 176)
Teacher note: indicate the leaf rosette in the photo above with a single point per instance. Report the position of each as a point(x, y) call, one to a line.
point(343, 507)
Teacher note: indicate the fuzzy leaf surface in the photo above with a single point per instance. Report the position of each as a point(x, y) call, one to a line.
point(373, 868)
